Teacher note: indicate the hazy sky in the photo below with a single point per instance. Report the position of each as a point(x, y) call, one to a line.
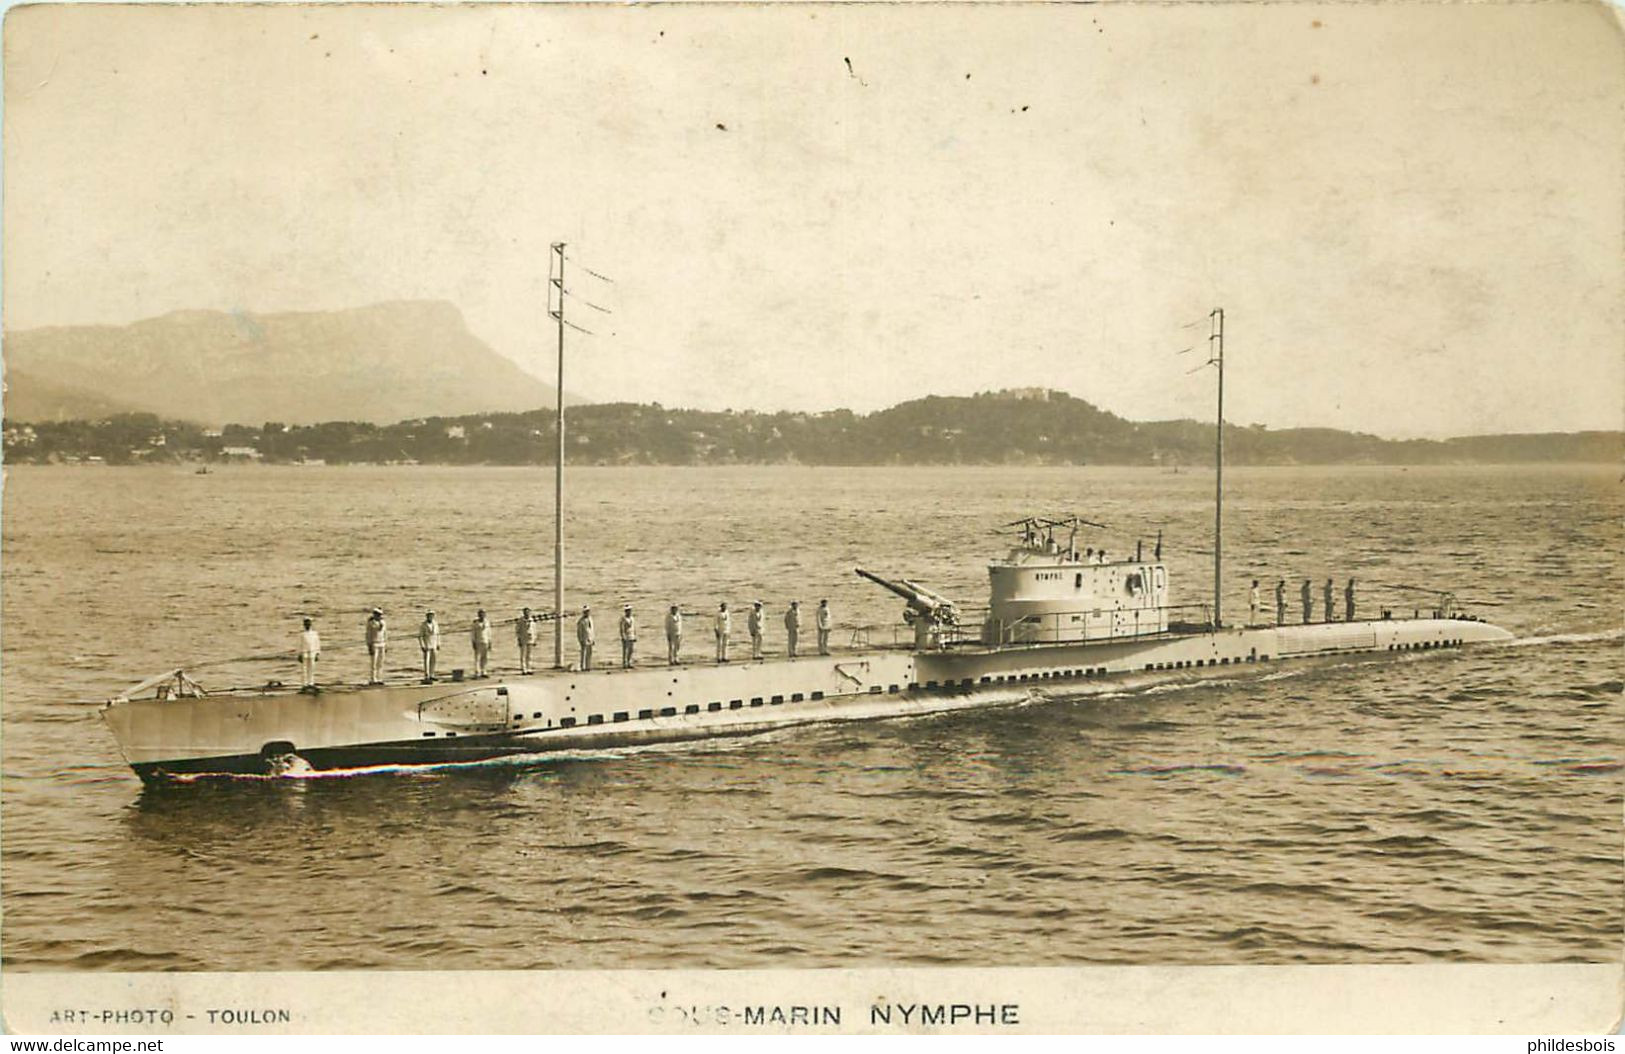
point(1412, 213)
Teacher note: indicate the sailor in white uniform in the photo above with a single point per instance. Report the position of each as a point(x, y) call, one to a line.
point(792, 625)
point(629, 636)
point(825, 621)
point(755, 624)
point(524, 633)
point(310, 649)
point(377, 641)
point(429, 644)
point(479, 635)
point(724, 630)
point(1252, 605)
point(674, 635)
point(586, 637)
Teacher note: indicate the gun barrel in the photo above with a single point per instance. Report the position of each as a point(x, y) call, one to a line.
point(920, 599)
point(921, 591)
point(901, 590)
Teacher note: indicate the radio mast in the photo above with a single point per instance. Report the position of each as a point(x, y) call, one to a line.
point(558, 475)
point(1216, 357)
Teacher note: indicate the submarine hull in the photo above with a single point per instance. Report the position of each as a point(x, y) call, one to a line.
point(342, 728)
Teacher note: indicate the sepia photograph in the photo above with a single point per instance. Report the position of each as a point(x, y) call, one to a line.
point(806, 517)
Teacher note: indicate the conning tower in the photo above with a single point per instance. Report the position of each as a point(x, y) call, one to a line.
point(1045, 591)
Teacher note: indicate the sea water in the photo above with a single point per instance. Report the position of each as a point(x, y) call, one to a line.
point(1454, 806)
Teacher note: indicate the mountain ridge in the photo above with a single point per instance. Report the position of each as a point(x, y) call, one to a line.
point(377, 362)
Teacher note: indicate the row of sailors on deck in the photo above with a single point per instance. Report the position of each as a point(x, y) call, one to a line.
point(526, 635)
point(1306, 594)
point(721, 628)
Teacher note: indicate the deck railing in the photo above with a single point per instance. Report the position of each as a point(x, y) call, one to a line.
point(1092, 625)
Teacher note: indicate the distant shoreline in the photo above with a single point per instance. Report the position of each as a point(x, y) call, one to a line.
point(1021, 427)
point(1206, 470)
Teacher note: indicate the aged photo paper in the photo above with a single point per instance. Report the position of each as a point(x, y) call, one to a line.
point(440, 440)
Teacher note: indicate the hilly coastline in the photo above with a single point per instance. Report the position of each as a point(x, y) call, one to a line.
point(1025, 427)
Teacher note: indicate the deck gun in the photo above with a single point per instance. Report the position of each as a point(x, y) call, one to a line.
point(922, 602)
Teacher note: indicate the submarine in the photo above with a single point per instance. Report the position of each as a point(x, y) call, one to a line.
point(1056, 622)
